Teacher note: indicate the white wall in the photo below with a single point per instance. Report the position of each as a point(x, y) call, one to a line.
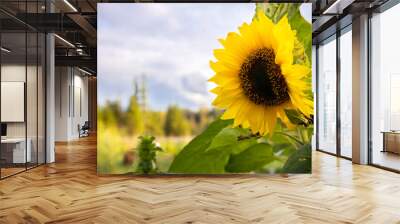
point(80, 109)
point(12, 73)
point(71, 102)
point(62, 82)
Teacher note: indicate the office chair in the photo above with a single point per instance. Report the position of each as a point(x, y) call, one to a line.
point(84, 130)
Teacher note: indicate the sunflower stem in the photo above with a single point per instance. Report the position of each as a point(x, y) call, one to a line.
point(291, 137)
point(244, 137)
point(300, 134)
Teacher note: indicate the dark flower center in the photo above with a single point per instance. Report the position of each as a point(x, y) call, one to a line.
point(262, 80)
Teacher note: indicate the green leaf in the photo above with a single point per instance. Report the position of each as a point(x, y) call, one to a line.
point(294, 137)
point(275, 11)
point(237, 138)
point(296, 117)
point(306, 133)
point(194, 157)
point(227, 136)
point(299, 161)
point(242, 145)
point(310, 132)
point(208, 162)
point(283, 149)
point(251, 159)
point(278, 138)
point(303, 31)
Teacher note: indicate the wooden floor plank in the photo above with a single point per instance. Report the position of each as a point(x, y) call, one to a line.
point(69, 191)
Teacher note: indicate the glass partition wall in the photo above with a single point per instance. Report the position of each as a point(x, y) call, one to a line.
point(13, 89)
point(385, 90)
point(334, 94)
point(22, 98)
point(334, 90)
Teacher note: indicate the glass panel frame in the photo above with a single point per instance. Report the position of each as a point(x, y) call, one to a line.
point(26, 57)
point(326, 106)
point(337, 141)
point(32, 97)
point(13, 74)
point(345, 93)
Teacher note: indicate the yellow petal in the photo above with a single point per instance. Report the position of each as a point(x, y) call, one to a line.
point(228, 59)
point(265, 29)
point(221, 67)
point(230, 112)
point(295, 71)
point(247, 33)
point(235, 44)
point(284, 37)
point(216, 90)
point(224, 101)
point(225, 80)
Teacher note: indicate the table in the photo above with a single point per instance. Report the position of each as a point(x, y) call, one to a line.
point(18, 149)
point(391, 141)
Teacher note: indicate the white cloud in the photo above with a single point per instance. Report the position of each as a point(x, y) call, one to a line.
point(171, 44)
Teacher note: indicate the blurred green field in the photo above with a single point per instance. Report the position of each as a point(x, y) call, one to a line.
point(114, 144)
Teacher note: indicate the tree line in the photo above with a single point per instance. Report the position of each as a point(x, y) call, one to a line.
point(138, 120)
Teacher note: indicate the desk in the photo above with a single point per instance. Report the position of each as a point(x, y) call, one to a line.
point(391, 141)
point(18, 149)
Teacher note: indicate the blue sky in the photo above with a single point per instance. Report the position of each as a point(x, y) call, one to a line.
point(170, 44)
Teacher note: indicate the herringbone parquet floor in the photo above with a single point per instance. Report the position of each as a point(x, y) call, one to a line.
point(69, 191)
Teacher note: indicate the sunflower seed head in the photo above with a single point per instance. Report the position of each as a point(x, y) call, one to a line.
point(262, 80)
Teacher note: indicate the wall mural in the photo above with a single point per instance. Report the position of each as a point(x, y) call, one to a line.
point(204, 88)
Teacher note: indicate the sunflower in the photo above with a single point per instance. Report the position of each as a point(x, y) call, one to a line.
point(256, 77)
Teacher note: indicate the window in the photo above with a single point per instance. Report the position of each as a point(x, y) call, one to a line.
point(327, 96)
point(385, 89)
point(346, 93)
